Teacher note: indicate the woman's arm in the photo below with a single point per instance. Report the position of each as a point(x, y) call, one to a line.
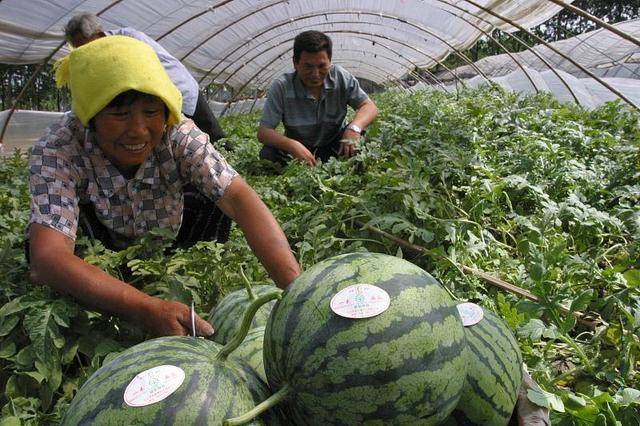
point(264, 235)
point(53, 263)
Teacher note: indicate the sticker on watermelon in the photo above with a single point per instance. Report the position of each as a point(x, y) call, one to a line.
point(360, 301)
point(153, 385)
point(470, 313)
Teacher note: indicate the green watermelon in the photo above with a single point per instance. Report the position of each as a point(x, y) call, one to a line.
point(250, 352)
point(406, 365)
point(494, 376)
point(213, 387)
point(226, 315)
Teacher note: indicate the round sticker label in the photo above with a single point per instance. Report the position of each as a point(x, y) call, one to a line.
point(360, 301)
point(153, 385)
point(470, 313)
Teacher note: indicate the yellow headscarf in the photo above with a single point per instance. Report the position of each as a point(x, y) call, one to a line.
point(101, 70)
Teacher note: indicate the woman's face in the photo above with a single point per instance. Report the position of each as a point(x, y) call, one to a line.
point(128, 134)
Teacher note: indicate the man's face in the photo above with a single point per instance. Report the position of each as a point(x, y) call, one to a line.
point(313, 68)
point(128, 134)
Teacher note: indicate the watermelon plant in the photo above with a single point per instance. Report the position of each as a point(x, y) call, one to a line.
point(405, 365)
point(539, 194)
point(139, 386)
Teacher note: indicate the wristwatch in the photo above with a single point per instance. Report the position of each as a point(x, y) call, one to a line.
point(355, 128)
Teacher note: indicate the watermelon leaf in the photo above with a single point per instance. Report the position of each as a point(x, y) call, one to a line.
point(546, 399)
point(7, 324)
point(629, 396)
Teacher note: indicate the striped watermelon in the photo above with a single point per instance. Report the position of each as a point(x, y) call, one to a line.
point(406, 365)
point(226, 315)
point(250, 352)
point(211, 391)
point(214, 387)
point(494, 375)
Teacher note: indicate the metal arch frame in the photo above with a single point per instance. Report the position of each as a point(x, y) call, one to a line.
point(191, 18)
point(354, 12)
point(230, 25)
point(262, 32)
point(440, 1)
point(576, 99)
point(560, 3)
point(332, 31)
point(530, 48)
point(37, 72)
point(211, 9)
point(597, 20)
point(541, 41)
point(288, 40)
point(409, 69)
point(521, 42)
point(506, 20)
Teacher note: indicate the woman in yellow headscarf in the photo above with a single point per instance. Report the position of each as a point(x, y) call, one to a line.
point(124, 162)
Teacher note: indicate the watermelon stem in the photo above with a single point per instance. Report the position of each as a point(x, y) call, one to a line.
point(247, 319)
point(247, 285)
point(268, 403)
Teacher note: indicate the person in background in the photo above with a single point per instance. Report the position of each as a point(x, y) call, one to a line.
point(312, 102)
point(124, 155)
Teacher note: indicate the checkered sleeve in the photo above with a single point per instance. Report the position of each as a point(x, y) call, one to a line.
point(273, 110)
point(198, 162)
point(52, 184)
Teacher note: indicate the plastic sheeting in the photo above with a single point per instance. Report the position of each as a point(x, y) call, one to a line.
point(246, 43)
point(589, 93)
point(25, 128)
point(601, 52)
point(615, 60)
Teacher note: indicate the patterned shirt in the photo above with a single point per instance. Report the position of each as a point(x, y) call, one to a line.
point(177, 72)
point(67, 167)
point(313, 122)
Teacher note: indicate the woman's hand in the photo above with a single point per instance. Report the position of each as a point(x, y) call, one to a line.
point(171, 318)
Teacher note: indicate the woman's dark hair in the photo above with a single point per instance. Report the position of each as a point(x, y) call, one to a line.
point(312, 42)
point(128, 98)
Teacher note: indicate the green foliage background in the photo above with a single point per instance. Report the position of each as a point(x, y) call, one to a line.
point(542, 195)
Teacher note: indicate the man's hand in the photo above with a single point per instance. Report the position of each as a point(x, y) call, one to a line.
point(349, 143)
point(171, 318)
point(301, 152)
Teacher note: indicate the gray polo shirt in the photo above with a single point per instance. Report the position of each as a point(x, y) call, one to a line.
point(313, 122)
point(178, 73)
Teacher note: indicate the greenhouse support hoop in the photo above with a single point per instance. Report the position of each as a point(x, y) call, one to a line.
point(234, 49)
point(597, 20)
point(541, 41)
